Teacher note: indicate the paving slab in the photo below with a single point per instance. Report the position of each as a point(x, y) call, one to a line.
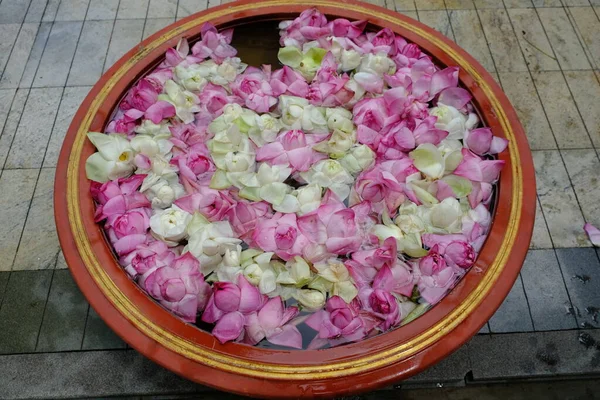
point(546, 293)
point(98, 336)
point(22, 311)
point(64, 319)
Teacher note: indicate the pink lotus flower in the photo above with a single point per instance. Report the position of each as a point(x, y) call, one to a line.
point(213, 204)
point(184, 136)
point(136, 221)
point(147, 256)
point(310, 25)
point(180, 286)
point(195, 167)
point(340, 323)
point(271, 322)
point(287, 81)
point(244, 216)
point(281, 235)
point(460, 253)
point(383, 185)
point(214, 44)
point(376, 258)
point(403, 104)
point(481, 141)
point(380, 42)
point(254, 88)
point(292, 148)
point(140, 97)
point(436, 276)
point(179, 54)
point(407, 54)
point(402, 136)
point(372, 113)
point(117, 197)
point(327, 87)
point(379, 301)
point(228, 305)
point(213, 98)
point(332, 225)
point(593, 233)
point(341, 27)
point(477, 169)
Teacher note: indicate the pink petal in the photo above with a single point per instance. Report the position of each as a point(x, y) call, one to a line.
point(288, 336)
point(342, 224)
point(490, 170)
point(498, 145)
point(443, 190)
point(211, 313)
point(311, 226)
point(343, 245)
point(455, 97)
point(250, 297)
point(128, 243)
point(269, 151)
point(593, 233)
point(446, 78)
point(159, 111)
point(300, 159)
point(229, 327)
point(480, 140)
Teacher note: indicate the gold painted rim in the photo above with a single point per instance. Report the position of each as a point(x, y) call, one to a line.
point(245, 367)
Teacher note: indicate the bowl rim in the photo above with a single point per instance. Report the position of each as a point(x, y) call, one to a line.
point(196, 354)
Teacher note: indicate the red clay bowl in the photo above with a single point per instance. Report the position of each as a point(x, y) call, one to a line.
point(352, 368)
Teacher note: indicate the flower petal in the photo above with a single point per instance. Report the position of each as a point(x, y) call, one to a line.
point(229, 327)
point(593, 233)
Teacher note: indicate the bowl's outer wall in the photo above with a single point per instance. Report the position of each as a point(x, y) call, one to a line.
point(290, 387)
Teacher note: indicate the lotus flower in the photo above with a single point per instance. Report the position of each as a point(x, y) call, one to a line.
point(214, 44)
point(244, 217)
point(146, 257)
point(308, 26)
point(253, 86)
point(281, 235)
point(213, 204)
point(339, 323)
point(291, 148)
point(228, 306)
point(271, 322)
point(332, 225)
point(113, 160)
point(286, 81)
point(117, 197)
point(382, 185)
point(180, 286)
point(330, 174)
point(436, 276)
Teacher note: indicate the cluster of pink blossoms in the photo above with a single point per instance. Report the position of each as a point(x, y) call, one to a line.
point(348, 190)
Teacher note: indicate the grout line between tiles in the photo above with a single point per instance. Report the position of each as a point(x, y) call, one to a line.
point(584, 46)
point(37, 339)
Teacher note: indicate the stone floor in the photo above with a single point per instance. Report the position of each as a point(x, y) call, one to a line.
point(544, 53)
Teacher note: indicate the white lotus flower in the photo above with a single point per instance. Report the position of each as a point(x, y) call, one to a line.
point(209, 242)
point(171, 224)
point(186, 103)
point(333, 277)
point(453, 121)
point(378, 64)
point(330, 174)
point(297, 113)
point(266, 129)
point(113, 160)
point(358, 159)
point(147, 127)
point(311, 300)
point(162, 190)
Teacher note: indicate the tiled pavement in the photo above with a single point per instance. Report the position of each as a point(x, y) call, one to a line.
point(545, 54)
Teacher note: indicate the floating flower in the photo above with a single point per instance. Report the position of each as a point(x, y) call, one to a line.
point(179, 286)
